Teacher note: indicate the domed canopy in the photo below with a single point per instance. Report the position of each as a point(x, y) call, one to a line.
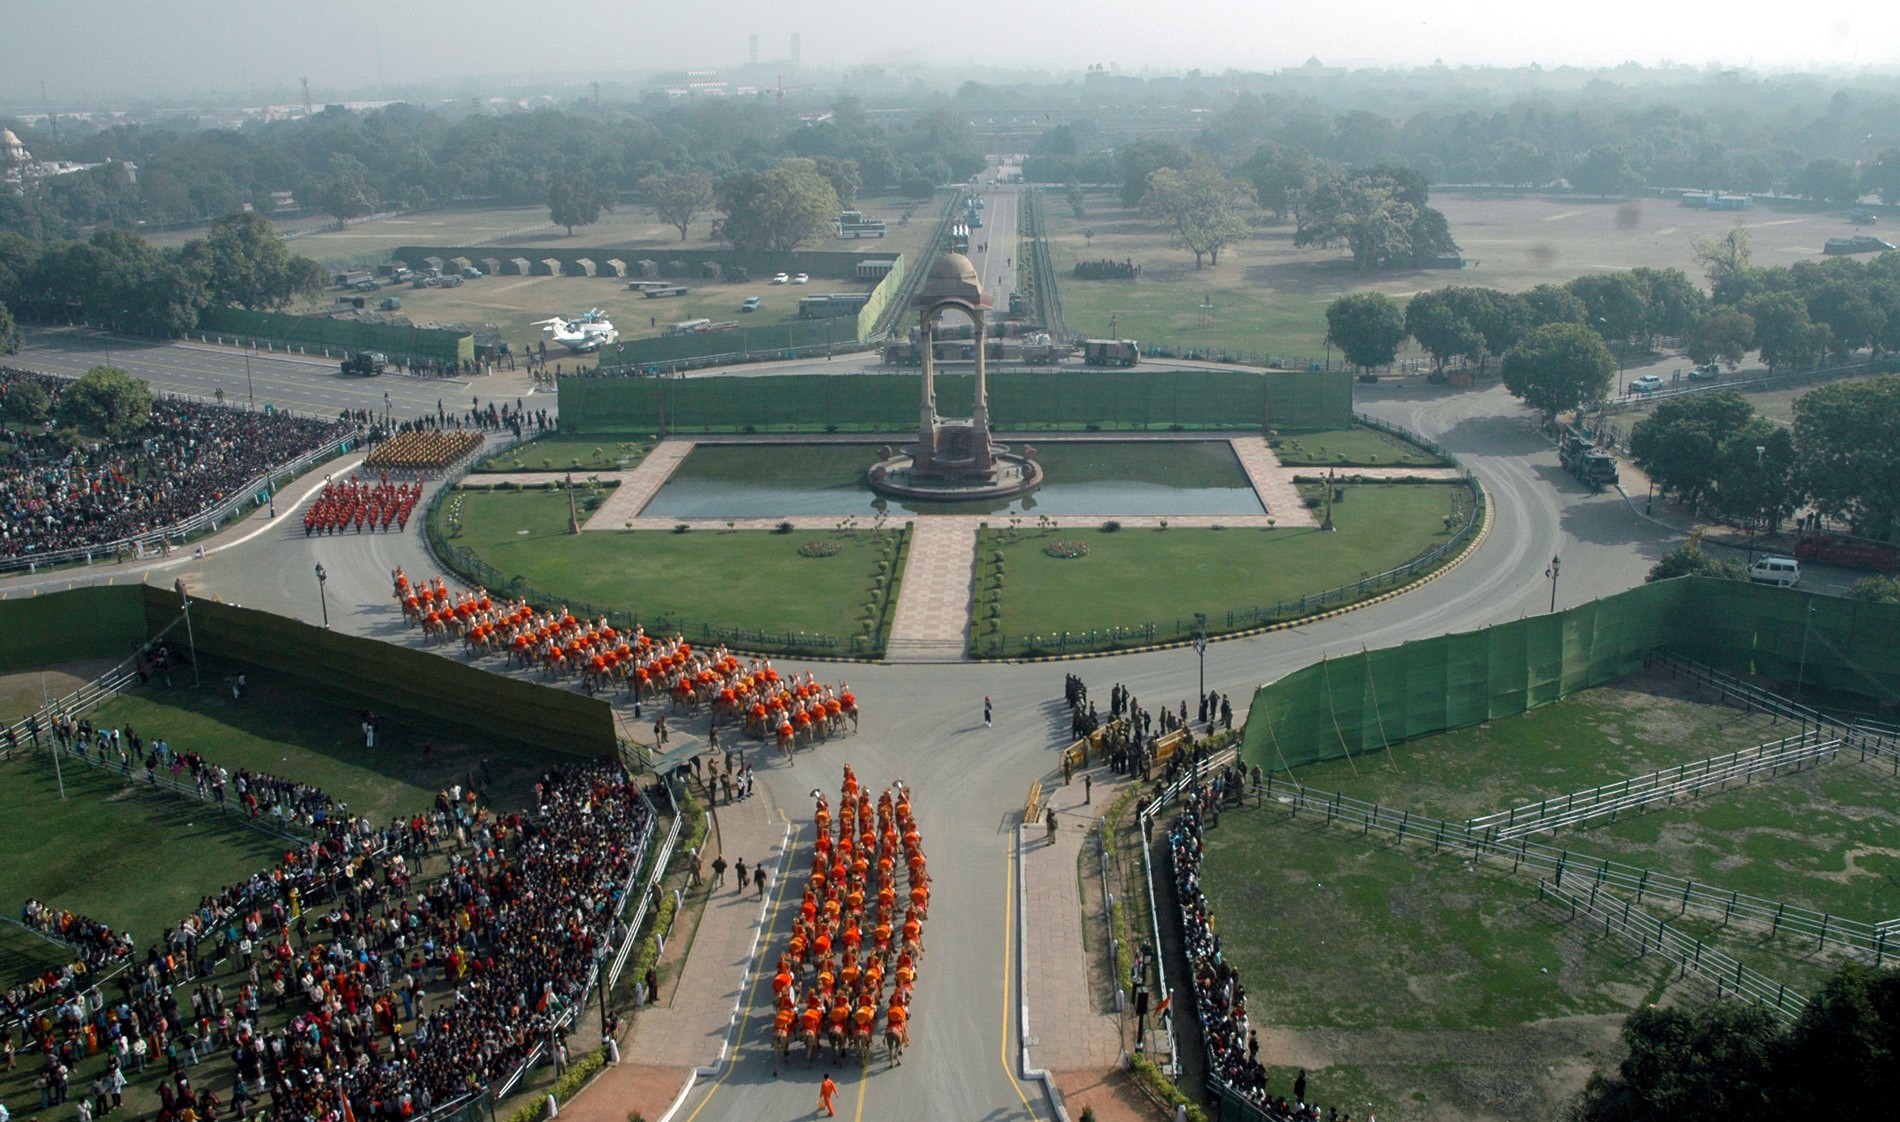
point(952, 280)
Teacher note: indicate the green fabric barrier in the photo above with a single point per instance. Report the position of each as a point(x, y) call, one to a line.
point(393, 677)
point(1024, 400)
point(1365, 702)
point(339, 335)
point(99, 621)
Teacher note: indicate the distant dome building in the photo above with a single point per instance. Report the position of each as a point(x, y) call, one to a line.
point(11, 150)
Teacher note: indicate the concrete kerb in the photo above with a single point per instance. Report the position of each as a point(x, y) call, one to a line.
point(718, 1066)
point(1284, 625)
point(1054, 1093)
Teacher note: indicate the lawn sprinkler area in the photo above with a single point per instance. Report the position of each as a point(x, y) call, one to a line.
point(1080, 478)
point(1408, 974)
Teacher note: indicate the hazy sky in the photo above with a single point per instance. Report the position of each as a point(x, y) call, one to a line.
point(93, 51)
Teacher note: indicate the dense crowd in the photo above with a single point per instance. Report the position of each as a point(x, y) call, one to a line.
point(284, 801)
point(55, 495)
point(95, 941)
point(1220, 998)
point(338, 937)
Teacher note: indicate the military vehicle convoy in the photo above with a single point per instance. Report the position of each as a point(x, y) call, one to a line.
point(1580, 456)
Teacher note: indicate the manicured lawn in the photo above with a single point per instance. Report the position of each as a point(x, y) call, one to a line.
point(1358, 447)
point(568, 453)
point(1133, 578)
point(756, 580)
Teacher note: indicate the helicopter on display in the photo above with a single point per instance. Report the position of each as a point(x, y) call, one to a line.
point(583, 334)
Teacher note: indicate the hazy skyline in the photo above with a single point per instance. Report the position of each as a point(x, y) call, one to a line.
point(95, 51)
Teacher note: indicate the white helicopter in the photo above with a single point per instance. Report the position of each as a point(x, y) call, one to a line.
point(583, 334)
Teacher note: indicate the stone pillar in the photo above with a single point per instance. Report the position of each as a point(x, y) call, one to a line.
point(980, 408)
point(927, 408)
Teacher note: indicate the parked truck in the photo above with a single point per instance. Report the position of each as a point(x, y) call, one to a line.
point(1827, 549)
point(1580, 456)
point(365, 364)
point(1111, 352)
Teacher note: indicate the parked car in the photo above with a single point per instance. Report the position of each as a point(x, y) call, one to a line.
point(1707, 372)
point(780, 278)
point(425, 282)
point(1782, 571)
point(472, 273)
point(453, 280)
point(391, 304)
point(1648, 383)
point(366, 286)
point(749, 304)
point(801, 278)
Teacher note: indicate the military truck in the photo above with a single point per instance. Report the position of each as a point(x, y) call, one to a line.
point(1579, 455)
point(1111, 352)
point(365, 364)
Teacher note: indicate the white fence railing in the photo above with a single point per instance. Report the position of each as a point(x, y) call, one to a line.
point(1685, 781)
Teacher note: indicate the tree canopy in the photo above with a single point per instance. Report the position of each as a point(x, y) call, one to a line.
point(778, 209)
point(108, 401)
point(1560, 366)
point(1367, 327)
point(576, 199)
point(1380, 215)
point(1207, 210)
point(1848, 439)
point(677, 197)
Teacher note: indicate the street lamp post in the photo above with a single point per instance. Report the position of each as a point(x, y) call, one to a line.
point(322, 596)
point(250, 391)
point(1551, 572)
point(1200, 649)
point(1801, 676)
point(1759, 450)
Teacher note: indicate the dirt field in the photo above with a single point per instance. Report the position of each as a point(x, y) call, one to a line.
point(1270, 296)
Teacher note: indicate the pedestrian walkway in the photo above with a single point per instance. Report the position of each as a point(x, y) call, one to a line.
point(690, 1028)
point(933, 605)
point(638, 485)
point(1272, 482)
point(1073, 1029)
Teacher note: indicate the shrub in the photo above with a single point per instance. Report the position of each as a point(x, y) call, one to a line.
point(821, 548)
point(1111, 526)
point(682, 527)
point(782, 528)
point(1067, 550)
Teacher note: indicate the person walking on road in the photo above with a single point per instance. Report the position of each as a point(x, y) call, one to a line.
point(745, 877)
point(986, 711)
point(758, 879)
point(1049, 820)
point(825, 1091)
point(719, 870)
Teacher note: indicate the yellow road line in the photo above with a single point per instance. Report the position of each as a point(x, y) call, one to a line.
point(1009, 928)
point(778, 895)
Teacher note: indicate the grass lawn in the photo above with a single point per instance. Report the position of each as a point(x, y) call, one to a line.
point(1638, 725)
point(1132, 578)
point(135, 859)
point(562, 453)
point(1358, 446)
point(284, 731)
point(756, 580)
point(1436, 986)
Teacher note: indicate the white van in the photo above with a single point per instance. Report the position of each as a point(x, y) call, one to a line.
point(1783, 571)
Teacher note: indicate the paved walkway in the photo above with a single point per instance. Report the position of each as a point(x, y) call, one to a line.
point(666, 1042)
point(1271, 482)
point(933, 604)
point(637, 486)
point(1073, 1028)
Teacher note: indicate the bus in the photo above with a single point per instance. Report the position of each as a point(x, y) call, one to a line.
point(960, 238)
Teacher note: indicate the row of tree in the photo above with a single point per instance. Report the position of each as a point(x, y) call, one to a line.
point(119, 278)
point(1840, 1060)
point(348, 163)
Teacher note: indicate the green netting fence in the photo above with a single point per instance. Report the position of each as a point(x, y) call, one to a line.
point(338, 335)
point(99, 621)
point(1020, 400)
point(1368, 701)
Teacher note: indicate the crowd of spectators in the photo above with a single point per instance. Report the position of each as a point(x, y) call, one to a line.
point(95, 941)
point(1220, 998)
point(57, 493)
point(347, 951)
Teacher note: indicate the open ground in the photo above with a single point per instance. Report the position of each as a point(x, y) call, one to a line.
point(1440, 988)
point(1270, 296)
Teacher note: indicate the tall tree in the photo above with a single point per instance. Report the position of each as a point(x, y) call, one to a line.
point(1615, 304)
point(1787, 338)
point(344, 190)
point(1724, 258)
point(1560, 366)
point(1679, 444)
point(1829, 180)
point(1283, 178)
point(777, 209)
point(1379, 215)
point(108, 401)
point(1134, 163)
point(1882, 177)
point(1438, 327)
point(246, 263)
point(575, 198)
point(1553, 303)
point(10, 337)
point(678, 197)
point(1848, 436)
point(1367, 327)
point(1754, 475)
point(1604, 172)
point(1207, 210)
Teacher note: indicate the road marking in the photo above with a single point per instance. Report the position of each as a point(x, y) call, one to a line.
point(1009, 927)
point(1776, 222)
point(778, 896)
point(1562, 216)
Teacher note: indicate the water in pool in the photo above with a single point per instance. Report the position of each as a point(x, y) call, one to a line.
point(1081, 477)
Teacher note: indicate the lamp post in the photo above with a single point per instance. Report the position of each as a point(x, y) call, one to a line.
point(1617, 353)
point(1551, 572)
point(1759, 450)
point(1801, 676)
point(1200, 649)
point(250, 391)
point(323, 597)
